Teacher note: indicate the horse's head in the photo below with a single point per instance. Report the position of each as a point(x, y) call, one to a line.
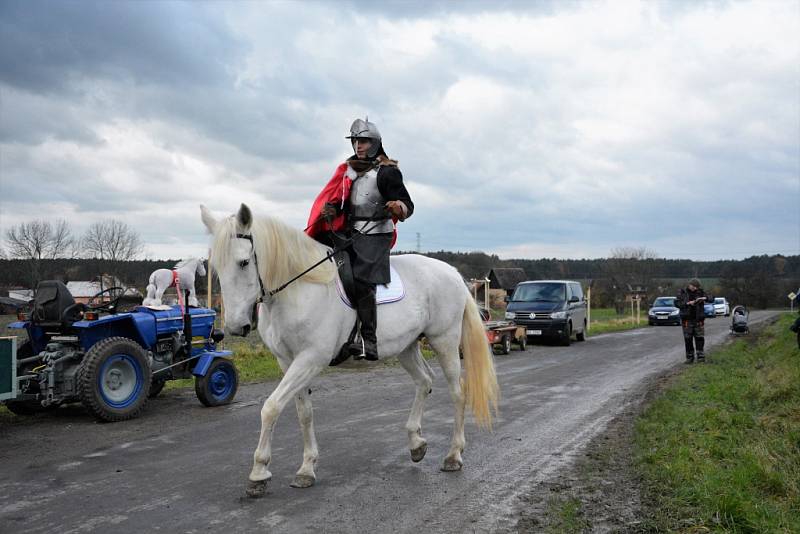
point(232, 258)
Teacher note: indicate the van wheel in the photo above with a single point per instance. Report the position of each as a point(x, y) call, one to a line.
point(566, 339)
point(581, 336)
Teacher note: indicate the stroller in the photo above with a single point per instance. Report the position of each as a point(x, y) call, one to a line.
point(739, 317)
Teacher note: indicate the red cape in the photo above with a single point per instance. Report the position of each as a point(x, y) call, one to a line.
point(336, 192)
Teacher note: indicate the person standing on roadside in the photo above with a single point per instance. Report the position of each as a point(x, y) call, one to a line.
point(796, 329)
point(690, 302)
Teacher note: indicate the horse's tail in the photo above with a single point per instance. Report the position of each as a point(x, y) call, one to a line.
point(480, 381)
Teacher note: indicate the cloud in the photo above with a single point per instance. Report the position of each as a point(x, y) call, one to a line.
point(529, 128)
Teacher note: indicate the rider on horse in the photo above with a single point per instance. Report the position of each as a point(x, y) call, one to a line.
point(361, 203)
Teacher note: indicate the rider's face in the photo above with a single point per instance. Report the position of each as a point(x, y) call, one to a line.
point(361, 146)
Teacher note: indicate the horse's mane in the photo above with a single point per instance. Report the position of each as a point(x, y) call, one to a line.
point(283, 252)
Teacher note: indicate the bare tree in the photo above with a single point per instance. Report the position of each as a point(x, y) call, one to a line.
point(111, 242)
point(38, 240)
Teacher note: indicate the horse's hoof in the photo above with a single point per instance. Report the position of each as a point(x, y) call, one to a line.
point(256, 489)
point(452, 465)
point(303, 481)
point(419, 453)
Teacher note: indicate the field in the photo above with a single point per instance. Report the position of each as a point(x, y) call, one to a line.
point(606, 320)
point(720, 450)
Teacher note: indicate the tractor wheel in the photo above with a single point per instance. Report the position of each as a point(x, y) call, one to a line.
point(219, 384)
point(506, 344)
point(114, 379)
point(155, 387)
point(523, 342)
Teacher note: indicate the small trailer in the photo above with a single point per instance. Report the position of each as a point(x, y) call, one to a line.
point(504, 333)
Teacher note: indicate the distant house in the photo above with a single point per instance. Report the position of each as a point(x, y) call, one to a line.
point(21, 294)
point(506, 278)
point(84, 291)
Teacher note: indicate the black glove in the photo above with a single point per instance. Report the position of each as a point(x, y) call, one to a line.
point(328, 212)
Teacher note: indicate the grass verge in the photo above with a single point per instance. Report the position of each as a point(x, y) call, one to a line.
point(253, 361)
point(606, 320)
point(720, 449)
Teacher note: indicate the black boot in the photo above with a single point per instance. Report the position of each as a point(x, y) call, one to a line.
point(701, 357)
point(367, 347)
point(700, 343)
point(689, 358)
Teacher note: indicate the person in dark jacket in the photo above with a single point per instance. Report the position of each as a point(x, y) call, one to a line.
point(796, 329)
point(690, 302)
point(359, 208)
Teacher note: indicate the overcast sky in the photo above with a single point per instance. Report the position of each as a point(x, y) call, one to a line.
point(525, 129)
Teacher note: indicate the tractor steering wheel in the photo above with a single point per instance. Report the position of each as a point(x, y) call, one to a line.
point(109, 306)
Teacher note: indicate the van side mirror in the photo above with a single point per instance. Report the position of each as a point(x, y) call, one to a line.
point(574, 298)
point(507, 298)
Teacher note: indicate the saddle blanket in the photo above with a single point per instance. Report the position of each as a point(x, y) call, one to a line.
point(384, 293)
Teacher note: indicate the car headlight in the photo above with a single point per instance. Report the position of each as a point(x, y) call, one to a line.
point(510, 315)
point(676, 312)
point(558, 315)
point(651, 313)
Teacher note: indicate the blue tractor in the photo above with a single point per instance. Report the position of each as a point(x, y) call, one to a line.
point(112, 362)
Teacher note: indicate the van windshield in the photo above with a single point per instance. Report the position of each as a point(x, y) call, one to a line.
point(544, 292)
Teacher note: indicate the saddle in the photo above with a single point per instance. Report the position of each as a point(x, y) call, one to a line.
point(384, 294)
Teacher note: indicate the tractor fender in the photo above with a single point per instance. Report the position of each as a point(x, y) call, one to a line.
point(139, 327)
point(204, 361)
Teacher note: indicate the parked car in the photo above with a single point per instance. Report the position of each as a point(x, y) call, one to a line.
point(708, 310)
point(664, 311)
point(721, 306)
point(549, 308)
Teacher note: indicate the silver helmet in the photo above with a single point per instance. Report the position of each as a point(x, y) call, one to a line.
point(365, 129)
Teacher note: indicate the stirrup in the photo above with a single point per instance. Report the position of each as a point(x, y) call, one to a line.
point(358, 350)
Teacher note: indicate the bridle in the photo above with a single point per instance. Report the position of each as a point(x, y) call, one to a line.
point(271, 293)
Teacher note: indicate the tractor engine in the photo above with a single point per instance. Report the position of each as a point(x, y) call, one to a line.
point(57, 374)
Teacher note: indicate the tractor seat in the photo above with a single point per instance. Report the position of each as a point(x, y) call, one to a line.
point(54, 306)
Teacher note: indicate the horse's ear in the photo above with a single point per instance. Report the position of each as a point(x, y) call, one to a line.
point(244, 217)
point(208, 219)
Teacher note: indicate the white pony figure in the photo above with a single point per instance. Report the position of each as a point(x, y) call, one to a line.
point(305, 325)
point(161, 279)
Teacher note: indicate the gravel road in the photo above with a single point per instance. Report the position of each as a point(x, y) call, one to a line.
point(183, 468)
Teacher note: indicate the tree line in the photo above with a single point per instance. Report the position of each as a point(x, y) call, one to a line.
point(37, 243)
point(758, 281)
point(39, 250)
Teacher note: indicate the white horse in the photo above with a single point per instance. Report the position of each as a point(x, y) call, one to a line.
point(305, 325)
point(161, 279)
